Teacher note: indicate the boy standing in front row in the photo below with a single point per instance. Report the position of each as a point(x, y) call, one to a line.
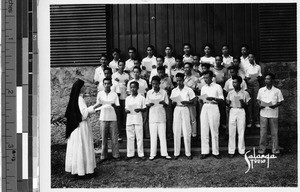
point(237, 100)
point(181, 118)
point(134, 105)
point(269, 113)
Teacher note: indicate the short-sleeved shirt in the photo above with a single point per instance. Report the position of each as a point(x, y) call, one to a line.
point(129, 64)
point(154, 72)
point(149, 62)
point(169, 62)
point(220, 74)
point(191, 81)
point(99, 74)
point(244, 65)
point(211, 60)
point(229, 86)
point(114, 65)
point(174, 72)
point(227, 61)
point(187, 59)
point(157, 113)
point(202, 82)
point(138, 102)
point(107, 114)
point(142, 86)
point(166, 83)
point(186, 94)
point(242, 94)
point(273, 95)
point(113, 88)
point(212, 90)
point(253, 69)
point(121, 83)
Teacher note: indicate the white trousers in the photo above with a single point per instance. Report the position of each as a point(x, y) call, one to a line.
point(133, 131)
point(237, 121)
point(182, 125)
point(210, 121)
point(160, 130)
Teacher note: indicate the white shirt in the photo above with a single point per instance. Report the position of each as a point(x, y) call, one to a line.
point(137, 102)
point(154, 72)
point(99, 74)
point(142, 86)
point(129, 64)
point(186, 93)
point(187, 59)
point(242, 94)
point(211, 60)
point(149, 62)
point(169, 62)
point(113, 88)
point(244, 64)
point(273, 95)
point(227, 61)
point(212, 90)
point(107, 113)
point(253, 69)
point(157, 113)
point(229, 87)
point(114, 65)
point(121, 83)
point(191, 81)
point(202, 82)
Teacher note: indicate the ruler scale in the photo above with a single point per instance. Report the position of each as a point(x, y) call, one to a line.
point(19, 95)
point(9, 136)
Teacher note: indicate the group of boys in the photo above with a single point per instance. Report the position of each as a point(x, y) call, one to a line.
point(182, 89)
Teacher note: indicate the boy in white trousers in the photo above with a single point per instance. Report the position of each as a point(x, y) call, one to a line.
point(156, 101)
point(181, 118)
point(237, 100)
point(134, 105)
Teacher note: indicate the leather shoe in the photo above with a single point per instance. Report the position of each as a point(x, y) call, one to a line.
point(168, 157)
point(230, 155)
point(128, 158)
point(176, 157)
point(142, 158)
point(117, 159)
point(189, 157)
point(203, 156)
point(151, 158)
point(217, 156)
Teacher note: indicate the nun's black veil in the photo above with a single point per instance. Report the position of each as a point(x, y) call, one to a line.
point(73, 114)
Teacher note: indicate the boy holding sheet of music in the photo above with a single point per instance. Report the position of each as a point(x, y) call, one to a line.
point(237, 100)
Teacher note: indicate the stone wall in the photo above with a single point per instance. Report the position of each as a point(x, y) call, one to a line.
point(62, 79)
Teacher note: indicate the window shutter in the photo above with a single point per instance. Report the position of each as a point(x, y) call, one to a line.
point(77, 34)
point(278, 32)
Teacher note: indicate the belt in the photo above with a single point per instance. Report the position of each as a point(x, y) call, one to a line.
point(211, 103)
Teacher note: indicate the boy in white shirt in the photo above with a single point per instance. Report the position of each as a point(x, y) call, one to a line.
point(157, 100)
point(150, 61)
point(169, 60)
point(108, 119)
point(207, 58)
point(99, 73)
point(210, 115)
point(143, 86)
point(107, 74)
point(160, 62)
point(187, 57)
point(269, 113)
point(134, 105)
point(122, 79)
point(129, 63)
point(181, 118)
point(116, 57)
point(227, 59)
point(237, 100)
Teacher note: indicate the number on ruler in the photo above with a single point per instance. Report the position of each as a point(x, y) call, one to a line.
point(9, 91)
point(14, 155)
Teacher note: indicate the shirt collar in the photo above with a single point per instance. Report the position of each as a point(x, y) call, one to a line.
point(266, 89)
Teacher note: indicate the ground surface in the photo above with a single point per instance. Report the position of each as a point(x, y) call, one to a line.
point(181, 173)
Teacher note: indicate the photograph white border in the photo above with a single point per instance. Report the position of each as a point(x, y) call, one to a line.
point(44, 94)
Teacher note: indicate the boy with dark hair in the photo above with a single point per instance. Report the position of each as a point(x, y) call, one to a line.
point(269, 99)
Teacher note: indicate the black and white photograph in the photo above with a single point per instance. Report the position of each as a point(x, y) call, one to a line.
point(169, 95)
